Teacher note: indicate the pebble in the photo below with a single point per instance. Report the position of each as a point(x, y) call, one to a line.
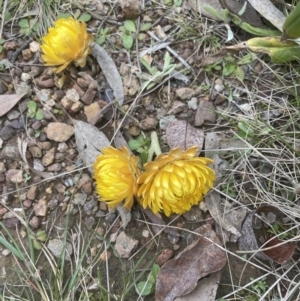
point(69, 182)
point(164, 121)
point(10, 151)
point(177, 107)
point(89, 96)
point(193, 103)
point(125, 245)
point(62, 147)
point(176, 247)
point(2, 167)
point(92, 111)
point(49, 157)
point(3, 88)
point(10, 45)
point(206, 112)
point(6, 252)
point(57, 246)
point(148, 123)
point(59, 132)
point(36, 125)
point(34, 47)
point(145, 233)
point(27, 54)
point(7, 132)
point(105, 255)
point(164, 256)
point(14, 176)
point(11, 223)
point(32, 193)
point(79, 199)
point(52, 204)
point(193, 215)
point(76, 107)
point(41, 207)
point(37, 165)
point(25, 77)
point(46, 145)
point(35, 151)
point(90, 221)
point(13, 114)
point(110, 217)
point(45, 82)
point(72, 95)
point(35, 71)
point(187, 93)
point(34, 222)
point(54, 167)
point(90, 207)
point(23, 88)
point(66, 103)
point(27, 203)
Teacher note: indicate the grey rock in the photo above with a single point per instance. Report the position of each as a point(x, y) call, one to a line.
point(14, 176)
point(37, 165)
point(90, 207)
point(57, 247)
point(79, 199)
point(7, 132)
point(59, 132)
point(41, 207)
point(125, 245)
point(206, 112)
point(13, 114)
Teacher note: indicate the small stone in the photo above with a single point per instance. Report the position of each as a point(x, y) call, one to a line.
point(110, 217)
point(11, 223)
point(105, 255)
point(37, 165)
point(203, 206)
point(27, 54)
point(148, 123)
point(66, 103)
point(36, 71)
point(131, 9)
point(76, 107)
point(25, 77)
point(2, 167)
point(27, 203)
point(145, 233)
point(100, 231)
point(23, 88)
point(57, 247)
point(72, 95)
point(34, 222)
point(90, 221)
point(34, 47)
point(54, 167)
point(52, 204)
point(46, 145)
point(79, 199)
point(219, 86)
point(32, 193)
point(36, 125)
point(6, 252)
point(164, 256)
point(220, 99)
point(193, 215)
point(89, 96)
point(165, 120)
point(125, 245)
point(1, 141)
point(103, 206)
point(59, 132)
point(193, 103)
point(176, 108)
point(187, 93)
point(3, 211)
point(92, 111)
point(35, 151)
point(176, 247)
point(205, 112)
point(7, 132)
point(49, 157)
point(86, 184)
point(14, 176)
point(10, 45)
point(45, 82)
point(90, 207)
point(49, 190)
point(41, 207)
point(62, 147)
point(83, 83)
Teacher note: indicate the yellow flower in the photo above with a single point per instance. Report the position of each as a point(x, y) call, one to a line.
point(173, 182)
point(116, 172)
point(66, 42)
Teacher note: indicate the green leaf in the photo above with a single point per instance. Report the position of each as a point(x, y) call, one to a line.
point(145, 26)
point(168, 2)
point(134, 144)
point(145, 288)
point(63, 15)
point(23, 23)
point(101, 40)
point(39, 114)
point(127, 41)
point(2, 41)
point(240, 74)
point(178, 3)
point(228, 69)
point(130, 26)
point(85, 17)
point(155, 270)
point(1, 48)
point(32, 106)
point(246, 129)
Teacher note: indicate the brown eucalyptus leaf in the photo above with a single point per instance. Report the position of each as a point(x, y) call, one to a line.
point(281, 253)
point(89, 141)
point(180, 275)
point(179, 133)
point(7, 102)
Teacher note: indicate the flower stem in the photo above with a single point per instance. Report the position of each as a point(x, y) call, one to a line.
point(154, 147)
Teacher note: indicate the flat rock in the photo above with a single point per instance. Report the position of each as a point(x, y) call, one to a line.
point(10, 151)
point(148, 123)
point(125, 245)
point(41, 207)
point(14, 176)
point(7, 132)
point(32, 192)
point(187, 93)
point(206, 112)
point(56, 247)
point(92, 111)
point(59, 132)
point(49, 157)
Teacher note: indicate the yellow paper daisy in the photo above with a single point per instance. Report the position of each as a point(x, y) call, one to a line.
point(116, 172)
point(175, 181)
point(66, 42)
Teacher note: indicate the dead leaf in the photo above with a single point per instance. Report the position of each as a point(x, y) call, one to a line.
point(179, 133)
point(205, 290)
point(110, 71)
point(180, 275)
point(7, 102)
point(267, 9)
point(248, 241)
point(89, 141)
point(281, 253)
